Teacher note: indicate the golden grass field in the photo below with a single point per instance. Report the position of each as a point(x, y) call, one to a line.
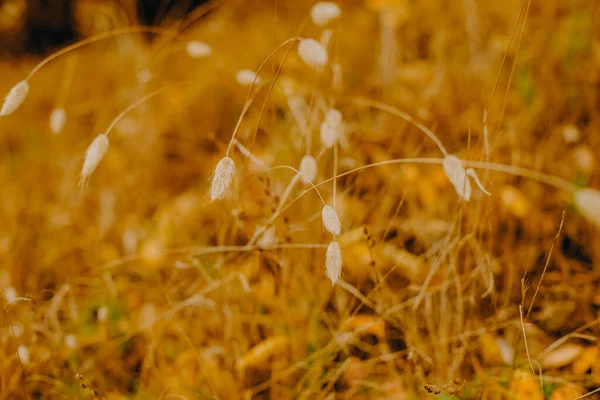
point(138, 286)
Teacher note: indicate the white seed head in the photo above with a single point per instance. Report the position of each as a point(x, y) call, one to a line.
point(333, 262)
point(57, 120)
point(588, 203)
point(332, 128)
point(324, 12)
point(308, 169)
point(457, 176)
point(15, 98)
point(198, 49)
point(24, 355)
point(222, 178)
point(246, 77)
point(331, 220)
point(95, 152)
point(312, 53)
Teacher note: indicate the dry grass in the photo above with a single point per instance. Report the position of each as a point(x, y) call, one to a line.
point(138, 286)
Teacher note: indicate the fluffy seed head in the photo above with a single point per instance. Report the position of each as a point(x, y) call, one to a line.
point(324, 12)
point(308, 168)
point(331, 220)
point(95, 152)
point(15, 98)
point(198, 49)
point(222, 178)
point(588, 203)
point(332, 128)
point(333, 262)
point(312, 53)
point(457, 176)
point(245, 77)
point(57, 120)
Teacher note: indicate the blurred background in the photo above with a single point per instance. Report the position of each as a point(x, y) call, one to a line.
point(112, 291)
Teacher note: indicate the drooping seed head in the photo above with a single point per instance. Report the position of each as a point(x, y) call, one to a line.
point(308, 168)
point(331, 220)
point(588, 203)
point(312, 53)
point(246, 77)
point(57, 120)
point(457, 176)
point(332, 128)
point(198, 49)
point(94, 154)
point(333, 262)
point(222, 178)
point(324, 12)
point(15, 98)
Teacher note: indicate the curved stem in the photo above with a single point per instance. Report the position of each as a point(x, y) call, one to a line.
point(249, 99)
point(97, 38)
point(132, 106)
point(361, 101)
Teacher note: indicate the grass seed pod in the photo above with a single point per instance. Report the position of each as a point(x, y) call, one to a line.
point(308, 169)
point(222, 178)
point(332, 128)
point(324, 12)
point(331, 220)
point(15, 98)
point(94, 154)
point(333, 262)
point(312, 53)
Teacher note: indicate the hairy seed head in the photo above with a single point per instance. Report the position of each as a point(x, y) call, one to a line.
point(333, 262)
point(246, 77)
point(308, 168)
point(331, 220)
point(324, 12)
point(588, 203)
point(312, 53)
point(94, 154)
point(57, 120)
point(198, 49)
point(15, 98)
point(332, 128)
point(222, 178)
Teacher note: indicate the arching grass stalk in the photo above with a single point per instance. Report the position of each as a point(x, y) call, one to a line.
point(99, 146)
point(250, 97)
point(202, 251)
point(361, 101)
point(17, 94)
point(538, 176)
